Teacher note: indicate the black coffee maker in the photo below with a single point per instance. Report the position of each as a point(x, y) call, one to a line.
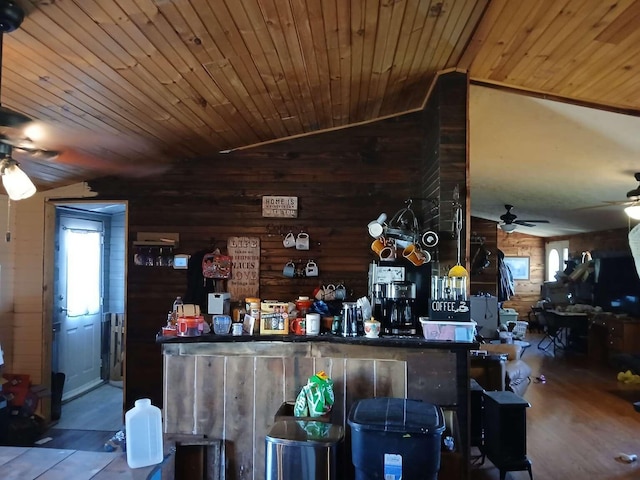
point(399, 316)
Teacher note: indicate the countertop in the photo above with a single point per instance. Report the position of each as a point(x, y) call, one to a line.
point(383, 341)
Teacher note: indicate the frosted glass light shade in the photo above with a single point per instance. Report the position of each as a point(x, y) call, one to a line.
point(633, 211)
point(16, 182)
point(508, 227)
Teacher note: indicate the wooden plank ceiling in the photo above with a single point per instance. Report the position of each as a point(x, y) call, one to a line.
point(130, 85)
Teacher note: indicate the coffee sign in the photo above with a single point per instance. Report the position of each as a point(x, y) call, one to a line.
point(456, 310)
point(280, 207)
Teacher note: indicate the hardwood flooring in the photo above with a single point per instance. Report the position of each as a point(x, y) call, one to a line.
point(580, 419)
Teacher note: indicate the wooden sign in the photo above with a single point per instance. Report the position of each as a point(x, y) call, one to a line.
point(456, 310)
point(245, 279)
point(280, 207)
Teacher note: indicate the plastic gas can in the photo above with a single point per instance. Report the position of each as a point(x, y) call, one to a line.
point(143, 428)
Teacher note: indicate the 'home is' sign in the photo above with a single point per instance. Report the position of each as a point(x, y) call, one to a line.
point(280, 207)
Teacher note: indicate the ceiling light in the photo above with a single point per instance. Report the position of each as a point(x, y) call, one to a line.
point(508, 227)
point(15, 181)
point(633, 211)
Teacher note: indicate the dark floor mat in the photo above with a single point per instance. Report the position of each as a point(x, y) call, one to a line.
point(85, 440)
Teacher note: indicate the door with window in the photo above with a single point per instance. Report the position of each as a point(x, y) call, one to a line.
point(79, 303)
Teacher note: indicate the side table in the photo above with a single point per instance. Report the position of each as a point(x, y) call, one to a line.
point(505, 432)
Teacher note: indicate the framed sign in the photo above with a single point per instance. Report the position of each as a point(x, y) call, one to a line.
point(280, 207)
point(519, 267)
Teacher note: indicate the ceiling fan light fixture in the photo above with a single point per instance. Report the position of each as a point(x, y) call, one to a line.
point(633, 211)
point(17, 184)
point(508, 227)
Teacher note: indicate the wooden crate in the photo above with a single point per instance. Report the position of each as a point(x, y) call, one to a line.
point(117, 346)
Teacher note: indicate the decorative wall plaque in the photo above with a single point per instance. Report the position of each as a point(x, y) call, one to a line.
point(245, 280)
point(280, 207)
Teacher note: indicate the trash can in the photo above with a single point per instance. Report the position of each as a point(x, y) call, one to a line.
point(395, 438)
point(302, 450)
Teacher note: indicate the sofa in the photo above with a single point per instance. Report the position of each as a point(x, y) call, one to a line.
point(495, 372)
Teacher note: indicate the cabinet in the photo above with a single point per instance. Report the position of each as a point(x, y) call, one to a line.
point(623, 335)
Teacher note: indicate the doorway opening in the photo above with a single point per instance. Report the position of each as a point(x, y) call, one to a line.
point(88, 314)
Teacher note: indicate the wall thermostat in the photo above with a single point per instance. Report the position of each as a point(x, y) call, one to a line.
point(181, 261)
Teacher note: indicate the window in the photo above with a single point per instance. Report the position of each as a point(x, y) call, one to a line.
point(556, 254)
point(83, 272)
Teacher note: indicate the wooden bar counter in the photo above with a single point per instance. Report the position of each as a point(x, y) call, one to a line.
point(229, 388)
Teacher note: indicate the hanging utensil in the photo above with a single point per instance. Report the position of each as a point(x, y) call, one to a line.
point(457, 270)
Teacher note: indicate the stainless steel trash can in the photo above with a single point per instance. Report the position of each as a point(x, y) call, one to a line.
point(302, 450)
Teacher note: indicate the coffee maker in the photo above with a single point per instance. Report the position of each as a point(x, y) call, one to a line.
point(399, 292)
point(400, 318)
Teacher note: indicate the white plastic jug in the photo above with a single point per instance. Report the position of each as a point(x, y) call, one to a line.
point(143, 428)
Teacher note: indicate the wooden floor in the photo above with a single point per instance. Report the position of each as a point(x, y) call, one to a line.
point(580, 419)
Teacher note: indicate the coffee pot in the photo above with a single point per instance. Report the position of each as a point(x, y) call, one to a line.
point(400, 319)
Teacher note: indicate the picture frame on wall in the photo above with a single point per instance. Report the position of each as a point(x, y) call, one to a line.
point(519, 267)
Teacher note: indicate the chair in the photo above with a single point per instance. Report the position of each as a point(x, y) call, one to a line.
point(552, 332)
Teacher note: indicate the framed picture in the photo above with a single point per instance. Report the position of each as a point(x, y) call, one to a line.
point(519, 267)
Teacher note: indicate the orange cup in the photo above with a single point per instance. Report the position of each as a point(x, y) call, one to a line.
point(414, 254)
point(378, 244)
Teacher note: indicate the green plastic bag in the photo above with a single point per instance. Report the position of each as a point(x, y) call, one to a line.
point(316, 398)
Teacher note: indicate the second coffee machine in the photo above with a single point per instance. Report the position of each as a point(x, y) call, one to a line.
point(399, 317)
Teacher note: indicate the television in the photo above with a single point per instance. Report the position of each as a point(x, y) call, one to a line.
point(617, 285)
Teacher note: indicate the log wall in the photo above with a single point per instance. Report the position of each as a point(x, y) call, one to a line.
point(343, 179)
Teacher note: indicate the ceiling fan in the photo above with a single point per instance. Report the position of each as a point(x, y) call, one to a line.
point(16, 182)
point(510, 221)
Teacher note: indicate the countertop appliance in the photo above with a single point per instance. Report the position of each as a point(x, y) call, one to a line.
point(400, 291)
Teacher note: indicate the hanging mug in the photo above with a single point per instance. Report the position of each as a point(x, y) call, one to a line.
point(302, 241)
point(289, 240)
point(289, 270)
point(329, 293)
point(429, 239)
point(414, 254)
point(341, 292)
point(387, 253)
point(378, 244)
point(311, 270)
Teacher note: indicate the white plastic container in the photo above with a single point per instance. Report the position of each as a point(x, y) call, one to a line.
point(143, 430)
point(445, 330)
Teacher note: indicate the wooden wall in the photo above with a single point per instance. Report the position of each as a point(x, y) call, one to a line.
point(603, 242)
point(527, 291)
point(343, 179)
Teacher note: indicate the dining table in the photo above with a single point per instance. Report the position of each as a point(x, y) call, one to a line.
point(566, 329)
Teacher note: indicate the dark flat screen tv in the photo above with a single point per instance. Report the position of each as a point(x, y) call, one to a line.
point(617, 285)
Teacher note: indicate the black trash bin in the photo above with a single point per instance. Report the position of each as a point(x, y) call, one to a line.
point(395, 438)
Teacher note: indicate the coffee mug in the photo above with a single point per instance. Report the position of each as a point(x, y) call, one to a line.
point(302, 241)
point(289, 270)
point(378, 244)
point(429, 239)
point(311, 270)
point(298, 326)
point(341, 292)
point(387, 253)
point(312, 323)
point(376, 227)
point(289, 240)
point(414, 255)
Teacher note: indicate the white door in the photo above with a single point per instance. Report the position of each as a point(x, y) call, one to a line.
point(79, 303)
